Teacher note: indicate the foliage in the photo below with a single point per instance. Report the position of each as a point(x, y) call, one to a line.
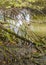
point(28, 45)
point(36, 4)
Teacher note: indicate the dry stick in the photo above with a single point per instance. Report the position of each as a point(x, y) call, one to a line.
point(37, 39)
point(16, 35)
point(40, 41)
point(11, 32)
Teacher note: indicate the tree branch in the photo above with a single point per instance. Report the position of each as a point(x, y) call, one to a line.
point(16, 35)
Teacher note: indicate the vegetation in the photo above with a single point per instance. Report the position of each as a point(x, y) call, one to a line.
point(22, 32)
